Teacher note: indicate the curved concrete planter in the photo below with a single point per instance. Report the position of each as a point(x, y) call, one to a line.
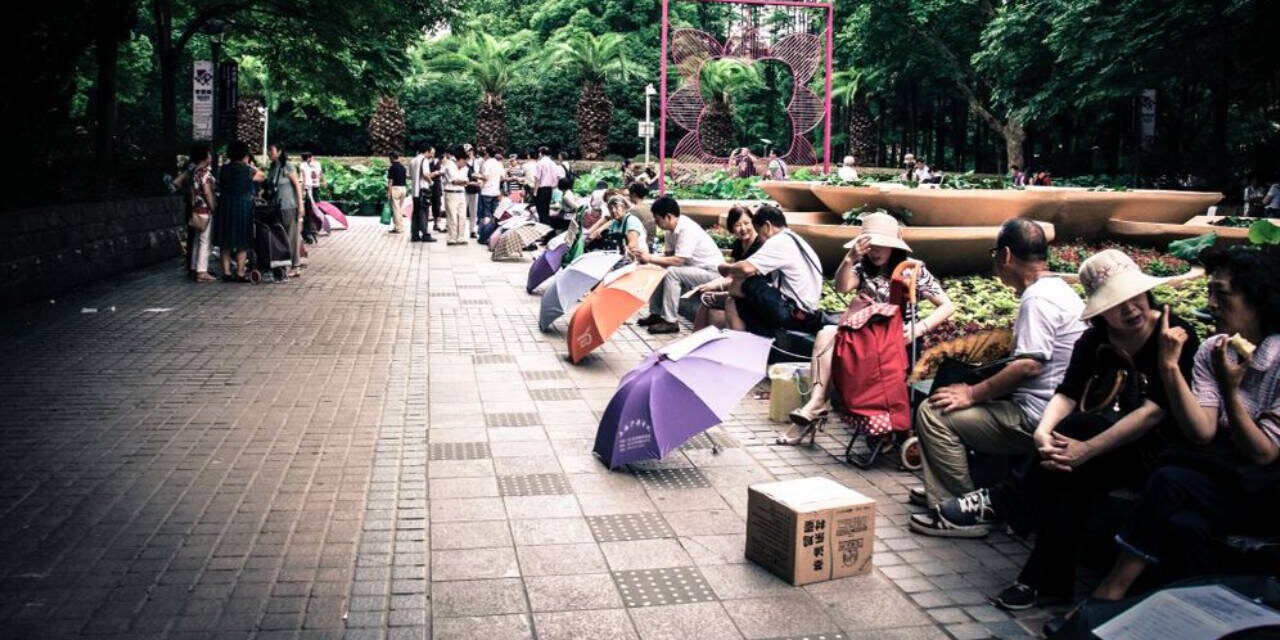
point(792, 195)
point(842, 199)
point(946, 250)
point(1158, 235)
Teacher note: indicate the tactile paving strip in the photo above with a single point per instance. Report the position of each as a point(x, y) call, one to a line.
point(460, 450)
point(816, 636)
point(706, 439)
point(492, 358)
point(535, 484)
point(511, 419)
point(474, 302)
point(444, 294)
point(555, 374)
point(629, 526)
point(545, 395)
point(673, 478)
point(655, 587)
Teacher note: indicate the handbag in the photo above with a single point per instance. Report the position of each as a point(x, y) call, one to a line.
point(199, 221)
point(1116, 387)
point(953, 371)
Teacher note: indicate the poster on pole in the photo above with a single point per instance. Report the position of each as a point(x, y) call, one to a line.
point(1148, 118)
point(228, 98)
point(202, 100)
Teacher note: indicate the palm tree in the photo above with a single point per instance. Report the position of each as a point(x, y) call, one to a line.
point(492, 64)
point(721, 79)
point(595, 59)
point(846, 89)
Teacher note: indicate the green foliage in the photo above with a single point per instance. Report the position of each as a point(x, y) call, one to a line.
point(491, 63)
point(586, 182)
point(853, 217)
point(594, 58)
point(970, 181)
point(1264, 232)
point(1191, 248)
point(359, 183)
point(720, 186)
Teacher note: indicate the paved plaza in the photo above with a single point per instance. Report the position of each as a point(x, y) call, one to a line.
point(389, 448)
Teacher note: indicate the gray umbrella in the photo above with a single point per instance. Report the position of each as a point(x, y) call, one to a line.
point(572, 282)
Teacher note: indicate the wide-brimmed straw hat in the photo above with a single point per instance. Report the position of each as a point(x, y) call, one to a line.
point(883, 230)
point(1109, 278)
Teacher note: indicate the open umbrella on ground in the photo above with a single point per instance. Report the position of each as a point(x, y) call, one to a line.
point(545, 266)
point(337, 219)
point(621, 294)
point(512, 243)
point(572, 282)
point(678, 392)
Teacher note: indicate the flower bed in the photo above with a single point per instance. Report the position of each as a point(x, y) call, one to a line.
point(1066, 258)
point(983, 303)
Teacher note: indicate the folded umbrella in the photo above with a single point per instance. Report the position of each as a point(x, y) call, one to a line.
point(604, 310)
point(678, 392)
point(337, 219)
point(512, 243)
point(545, 266)
point(572, 282)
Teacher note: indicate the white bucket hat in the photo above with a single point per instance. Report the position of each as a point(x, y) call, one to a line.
point(884, 231)
point(1109, 278)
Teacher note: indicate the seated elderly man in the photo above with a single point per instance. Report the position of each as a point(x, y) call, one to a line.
point(998, 415)
point(691, 258)
point(779, 285)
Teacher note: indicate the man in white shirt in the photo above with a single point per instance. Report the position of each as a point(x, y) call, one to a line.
point(492, 174)
point(421, 177)
point(546, 178)
point(691, 258)
point(998, 415)
point(780, 285)
point(312, 179)
point(455, 197)
point(848, 170)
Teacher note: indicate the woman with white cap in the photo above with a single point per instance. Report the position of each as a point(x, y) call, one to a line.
point(1103, 429)
point(867, 269)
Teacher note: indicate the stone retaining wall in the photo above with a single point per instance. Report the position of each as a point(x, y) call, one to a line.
point(47, 250)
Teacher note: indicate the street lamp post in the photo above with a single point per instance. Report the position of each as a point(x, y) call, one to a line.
point(649, 92)
point(215, 28)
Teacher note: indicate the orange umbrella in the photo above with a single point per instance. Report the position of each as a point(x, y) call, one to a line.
point(619, 295)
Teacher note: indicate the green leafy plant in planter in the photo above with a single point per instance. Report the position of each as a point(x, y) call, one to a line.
point(806, 174)
point(853, 217)
point(1189, 249)
point(365, 186)
point(721, 186)
point(586, 183)
point(724, 240)
point(1264, 232)
point(1066, 258)
point(835, 180)
point(968, 180)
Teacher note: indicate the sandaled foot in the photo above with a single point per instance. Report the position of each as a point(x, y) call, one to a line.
point(802, 417)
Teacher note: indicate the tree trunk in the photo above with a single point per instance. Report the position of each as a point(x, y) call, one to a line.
point(1014, 137)
point(167, 59)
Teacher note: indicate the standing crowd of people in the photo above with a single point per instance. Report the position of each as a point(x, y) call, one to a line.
point(225, 200)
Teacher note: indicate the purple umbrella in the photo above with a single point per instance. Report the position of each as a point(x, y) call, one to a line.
point(545, 266)
point(678, 392)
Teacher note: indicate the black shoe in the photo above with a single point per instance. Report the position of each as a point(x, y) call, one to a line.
point(648, 320)
point(917, 496)
point(973, 508)
point(1016, 597)
point(429, 239)
point(474, 236)
point(662, 326)
point(415, 239)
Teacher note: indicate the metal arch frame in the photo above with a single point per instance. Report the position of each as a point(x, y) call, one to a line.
point(829, 7)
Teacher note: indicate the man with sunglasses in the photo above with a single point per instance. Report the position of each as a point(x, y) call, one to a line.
point(998, 415)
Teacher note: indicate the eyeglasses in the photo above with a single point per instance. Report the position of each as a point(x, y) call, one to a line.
point(994, 251)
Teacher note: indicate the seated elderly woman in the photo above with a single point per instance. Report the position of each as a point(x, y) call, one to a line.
point(1230, 481)
point(1103, 429)
point(867, 270)
point(622, 230)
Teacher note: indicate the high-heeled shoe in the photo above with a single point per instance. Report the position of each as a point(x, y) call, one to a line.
point(809, 431)
point(802, 418)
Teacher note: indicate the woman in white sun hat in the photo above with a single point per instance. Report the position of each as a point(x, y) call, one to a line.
point(867, 270)
point(1103, 428)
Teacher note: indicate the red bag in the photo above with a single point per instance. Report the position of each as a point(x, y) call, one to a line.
point(869, 369)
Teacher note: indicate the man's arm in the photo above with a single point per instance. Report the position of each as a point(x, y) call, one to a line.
point(1013, 376)
point(740, 270)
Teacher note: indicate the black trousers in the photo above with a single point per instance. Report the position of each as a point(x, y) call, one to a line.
point(420, 223)
point(542, 202)
point(1062, 502)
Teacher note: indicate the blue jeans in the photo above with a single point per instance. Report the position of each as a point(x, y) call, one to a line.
point(484, 215)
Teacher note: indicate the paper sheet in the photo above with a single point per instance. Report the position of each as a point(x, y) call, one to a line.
point(1190, 613)
point(687, 345)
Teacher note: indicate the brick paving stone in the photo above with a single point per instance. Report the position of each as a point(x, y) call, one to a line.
point(327, 458)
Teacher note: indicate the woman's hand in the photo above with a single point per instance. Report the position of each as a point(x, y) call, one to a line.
point(1229, 374)
point(859, 249)
point(1067, 453)
point(1171, 341)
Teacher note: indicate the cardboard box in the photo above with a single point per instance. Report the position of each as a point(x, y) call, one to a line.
point(810, 530)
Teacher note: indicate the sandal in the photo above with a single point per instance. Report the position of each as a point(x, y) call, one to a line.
point(809, 431)
point(802, 418)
